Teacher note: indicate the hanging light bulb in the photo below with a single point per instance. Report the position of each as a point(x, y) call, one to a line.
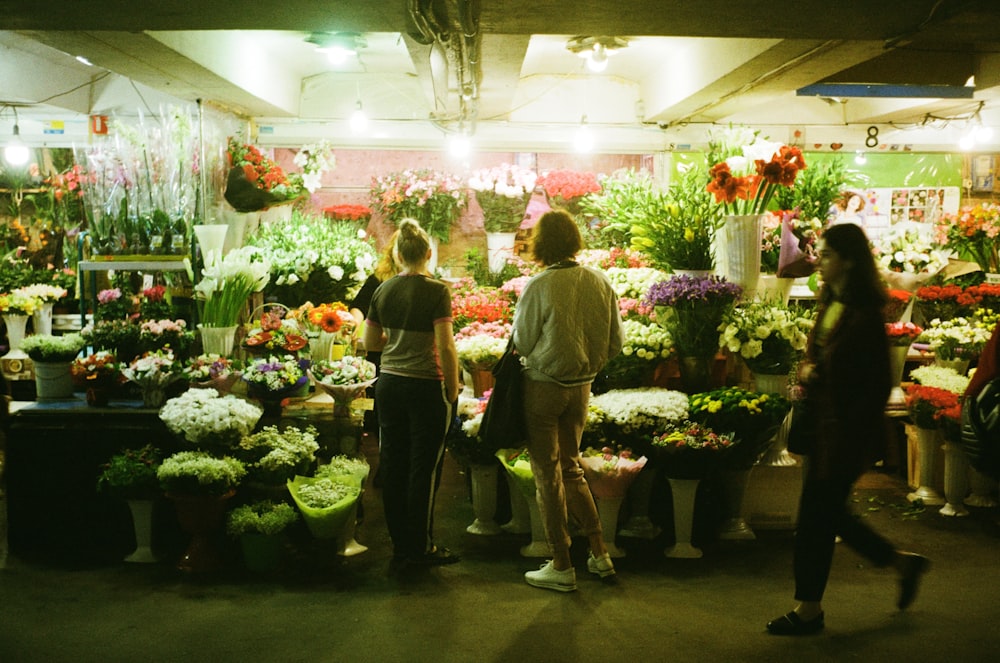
point(583, 140)
point(16, 153)
point(358, 121)
point(860, 158)
point(459, 145)
point(597, 59)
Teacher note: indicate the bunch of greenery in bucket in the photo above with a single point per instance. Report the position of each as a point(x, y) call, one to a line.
point(132, 473)
point(908, 256)
point(630, 417)
point(769, 336)
point(753, 418)
point(47, 348)
point(264, 517)
point(199, 473)
point(689, 450)
point(209, 421)
point(274, 456)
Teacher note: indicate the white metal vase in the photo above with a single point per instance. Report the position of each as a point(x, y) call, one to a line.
point(956, 480)
point(777, 454)
point(740, 235)
point(639, 525)
point(608, 509)
point(484, 500)
point(499, 248)
point(684, 492)
point(928, 440)
point(142, 523)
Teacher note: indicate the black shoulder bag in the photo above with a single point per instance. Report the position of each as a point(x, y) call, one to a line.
point(503, 424)
point(981, 428)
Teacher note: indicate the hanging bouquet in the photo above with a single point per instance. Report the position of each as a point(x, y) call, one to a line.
point(753, 418)
point(274, 331)
point(926, 403)
point(100, 370)
point(609, 472)
point(226, 286)
point(958, 338)
point(678, 227)
point(432, 198)
point(314, 160)
point(17, 303)
point(973, 233)
point(945, 301)
point(255, 181)
point(275, 377)
point(902, 334)
point(908, 255)
point(198, 473)
point(503, 193)
point(747, 170)
point(43, 292)
point(274, 456)
point(359, 214)
point(312, 260)
point(630, 417)
point(208, 420)
point(692, 308)
point(565, 188)
point(159, 334)
point(154, 370)
point(770, 337)
point(689, 450)
point(212, 371)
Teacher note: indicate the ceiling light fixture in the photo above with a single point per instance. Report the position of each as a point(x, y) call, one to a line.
point(338, 46)
point(358, 121)
point(596, 50)
point(16, 153)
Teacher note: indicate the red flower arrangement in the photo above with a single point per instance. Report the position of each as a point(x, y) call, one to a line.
point(273, 334)
point(481, 305)
point(902, 333)
point(927, 404)
point(898, 301)
point(348, 212)
point(564, 188)
point(256, 181)
point(946, 301)
point(986, 294)
point(755, 188)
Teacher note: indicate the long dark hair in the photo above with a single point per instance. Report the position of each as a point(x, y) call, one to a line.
point(863, 285)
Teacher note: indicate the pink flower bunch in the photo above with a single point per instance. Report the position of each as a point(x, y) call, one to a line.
point(494, 329)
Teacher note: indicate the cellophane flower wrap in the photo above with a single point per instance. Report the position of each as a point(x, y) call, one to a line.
point(313, 260)
point(958, 338)
point(255, 180)
point(207, 367)
point(692, 308)
point(973, 233)
point(275, 376)
point(274, 456)
point(753, 418)
point(630, 417)
point(207, 420)
point(770, 337)
point(688, 450)
point(609, 472)
point(908, 255)
point(433, 198)
point(227, 284)
point(747, 169)
point(325, 502)
point(343, 379)
point(902, 334)
point(517, 464)
point(479, 352)
point(463, 440)
point(503, 193)
point(154, 370)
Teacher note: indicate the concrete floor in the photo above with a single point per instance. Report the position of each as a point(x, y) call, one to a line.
point(321, 607)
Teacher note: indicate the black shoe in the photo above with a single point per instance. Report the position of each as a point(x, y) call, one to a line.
point(914, 566)
point(439, 557)
point(792, 624)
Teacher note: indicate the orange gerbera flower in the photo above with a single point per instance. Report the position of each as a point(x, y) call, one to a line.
point(330, 321)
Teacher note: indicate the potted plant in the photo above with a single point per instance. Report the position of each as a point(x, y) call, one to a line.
point(132, 474)
point(154, 372)
point(119, 336)
point(208, 421)
point(222, 295)
point(53, 357)
point(260, 527)
point(212, 371)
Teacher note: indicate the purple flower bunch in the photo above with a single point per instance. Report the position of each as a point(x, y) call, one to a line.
point(691, 308)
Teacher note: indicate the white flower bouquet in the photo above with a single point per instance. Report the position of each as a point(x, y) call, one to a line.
point(503, 193)
point(325, 502)
point(343, 379)
point(768, 336)
point(154, 370)
point(634, 282)
point(314, 160)
point(43, 292)
point(958, 338)
point(480, 352)
point(630, 417)
point(227, 284)
point(646, 345)
point(207, 420)
point(609, 473)
point(940, 377)
point(909, 255)
point(199, 473)
point(274, 456)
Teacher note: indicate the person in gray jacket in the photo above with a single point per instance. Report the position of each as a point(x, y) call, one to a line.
point(566, 328)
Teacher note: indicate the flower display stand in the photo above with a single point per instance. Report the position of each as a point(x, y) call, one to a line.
point(928, 440)
point(983, 490)
point(347, 544)
point(142, 523)
point(897, 365)
point(608, 509)
point(777, 454)
point(499, 248)
point(520, 515)
point(735, 526)
point(484, 500)
point(684, 492)
point(16, 327)
point(218, 340)
point(41, 319)
point(639, 525)
point(201, 516)
point(956, 480)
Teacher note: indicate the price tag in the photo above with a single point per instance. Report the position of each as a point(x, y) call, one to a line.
point(364, 404)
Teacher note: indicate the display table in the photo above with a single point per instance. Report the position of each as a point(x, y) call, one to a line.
point(54, 453)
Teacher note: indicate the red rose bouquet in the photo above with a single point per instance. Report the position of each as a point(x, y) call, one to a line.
point(565, 188)
point(902, 333)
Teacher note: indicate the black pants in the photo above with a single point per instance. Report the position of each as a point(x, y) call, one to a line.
point(413, 417)
point(823, 515)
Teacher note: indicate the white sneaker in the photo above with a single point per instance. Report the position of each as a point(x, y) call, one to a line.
point(601, 566)
point(547, 577)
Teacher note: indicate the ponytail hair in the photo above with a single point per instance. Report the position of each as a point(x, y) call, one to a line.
point(412, 243)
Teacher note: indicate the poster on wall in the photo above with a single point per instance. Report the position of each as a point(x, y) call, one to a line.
point(878, 209)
